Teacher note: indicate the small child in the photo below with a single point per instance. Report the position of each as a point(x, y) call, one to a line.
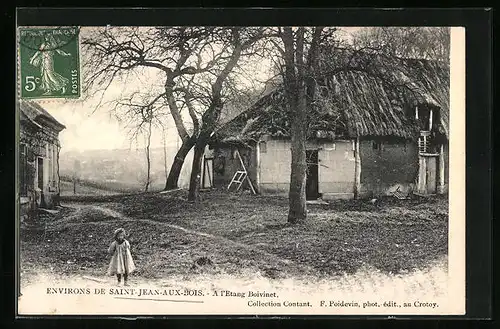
point(121, 262)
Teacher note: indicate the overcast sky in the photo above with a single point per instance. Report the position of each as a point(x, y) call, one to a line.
point(86, 129)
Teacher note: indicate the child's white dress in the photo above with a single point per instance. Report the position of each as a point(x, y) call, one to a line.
point(121, 262)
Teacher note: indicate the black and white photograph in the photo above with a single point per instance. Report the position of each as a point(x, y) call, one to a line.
point(204, 170)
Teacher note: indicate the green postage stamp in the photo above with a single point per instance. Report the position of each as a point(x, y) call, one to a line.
point(49, 65)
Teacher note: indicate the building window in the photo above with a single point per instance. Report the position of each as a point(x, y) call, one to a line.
point(23, 170)
point(330, 147)
point(39, 173)
point(263, 147)
point(428, 117)
point(377, 145)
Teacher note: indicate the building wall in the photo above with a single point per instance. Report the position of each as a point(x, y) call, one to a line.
point(446, 167)
point(337, 170)
point(336, 167)
point(383, 169)
point(38, 145)
point(50, 190)
point(275, 169)
point(385, 165)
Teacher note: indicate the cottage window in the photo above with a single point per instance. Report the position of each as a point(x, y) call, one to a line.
point(427, 117)
point(263, 147)
point(330, 147)
point(377, 145)
point(23, 170)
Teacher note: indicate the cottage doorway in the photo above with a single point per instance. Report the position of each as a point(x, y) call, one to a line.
point(312, 190)
point(40, 173)
point(40, 181)
point(428, 177)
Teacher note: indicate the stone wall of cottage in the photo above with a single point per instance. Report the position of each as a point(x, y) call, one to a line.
point(335, 167)
point(387, 165)
point(40, 149)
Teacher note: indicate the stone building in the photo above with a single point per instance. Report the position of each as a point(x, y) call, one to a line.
point(38, 165)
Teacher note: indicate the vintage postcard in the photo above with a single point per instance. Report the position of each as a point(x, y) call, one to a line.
point(206, 170)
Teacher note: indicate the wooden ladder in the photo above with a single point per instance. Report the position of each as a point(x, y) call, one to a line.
point(240, 176)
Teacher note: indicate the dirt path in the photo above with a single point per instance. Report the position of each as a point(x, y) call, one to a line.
point(73, 253)
point(215, 238)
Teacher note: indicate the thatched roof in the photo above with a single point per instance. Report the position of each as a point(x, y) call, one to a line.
point(375, 98)
point(36, 114)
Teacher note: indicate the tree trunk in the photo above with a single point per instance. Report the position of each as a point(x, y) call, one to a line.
point(211, 116)
point(194, 182)
point(209, 122)
point(187, 141)
point(300, 92)
point(297, 197)
point(175, 170)
point(296, 106)
point(148, 159)
point(76, 174)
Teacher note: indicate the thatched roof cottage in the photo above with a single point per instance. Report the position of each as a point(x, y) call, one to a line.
point(373, 130)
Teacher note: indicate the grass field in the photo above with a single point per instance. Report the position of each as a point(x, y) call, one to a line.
point(82, 189)
point(229, 234)
point(87, 187)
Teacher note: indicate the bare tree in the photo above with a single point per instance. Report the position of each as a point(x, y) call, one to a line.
point(76, 174)
point(239, 42)
point(194, 62)
point(148, 156)
point(310, 67)
point(407, 42)
point(114, 53)
point(140, 113)
point(300, 66)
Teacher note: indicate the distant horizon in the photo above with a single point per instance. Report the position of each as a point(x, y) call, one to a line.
point(67, 150)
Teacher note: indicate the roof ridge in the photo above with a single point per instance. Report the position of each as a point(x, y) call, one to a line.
point(39, 111)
